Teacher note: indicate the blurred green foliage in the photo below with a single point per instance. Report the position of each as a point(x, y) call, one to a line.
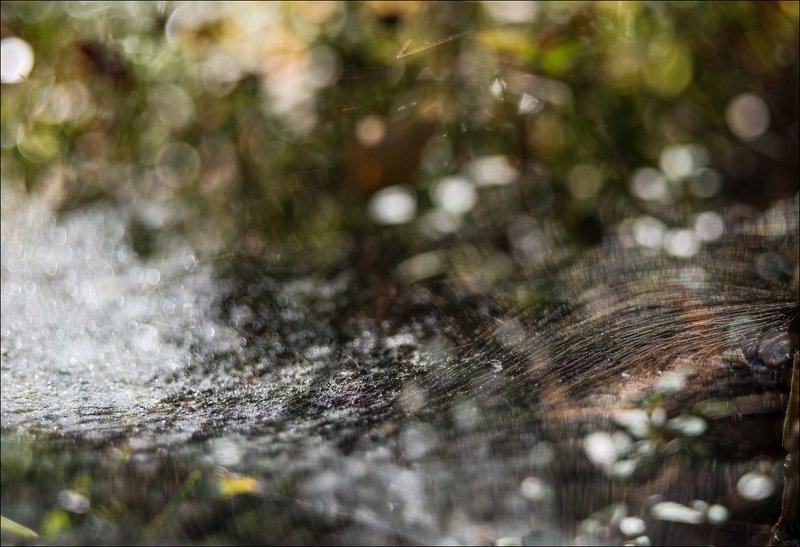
point(255, 115)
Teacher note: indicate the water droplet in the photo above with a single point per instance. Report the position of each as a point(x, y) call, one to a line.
point(152, 276)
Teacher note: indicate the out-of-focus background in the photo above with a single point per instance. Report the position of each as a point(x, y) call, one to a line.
point(302, 122)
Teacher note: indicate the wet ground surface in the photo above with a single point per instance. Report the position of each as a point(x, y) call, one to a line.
point(184, 394)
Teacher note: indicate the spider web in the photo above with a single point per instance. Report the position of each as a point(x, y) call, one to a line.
point(364, 391)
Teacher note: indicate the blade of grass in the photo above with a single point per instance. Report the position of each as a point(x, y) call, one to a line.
point(8, 525)
point(161, 519)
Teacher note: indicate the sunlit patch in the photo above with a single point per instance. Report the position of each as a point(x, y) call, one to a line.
point(709, 226)
point(324, 66)
point(676, 512)
point(747, 116)
point(688, 426)
point(632, 526)
point(393, 205)
point(535, 489)
point(681, 243)
point(679, 161)
point(370, 131)
point(676, 162)
point(492, 171)
point(650, 184)
point(73, 501)
point(16, 60)
point(649, 232)
point(755, 486)
point(511, 12)
point(604, 449)
point(455, 195)
point(635, 420)
point(671, 382)
point(717, 514)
